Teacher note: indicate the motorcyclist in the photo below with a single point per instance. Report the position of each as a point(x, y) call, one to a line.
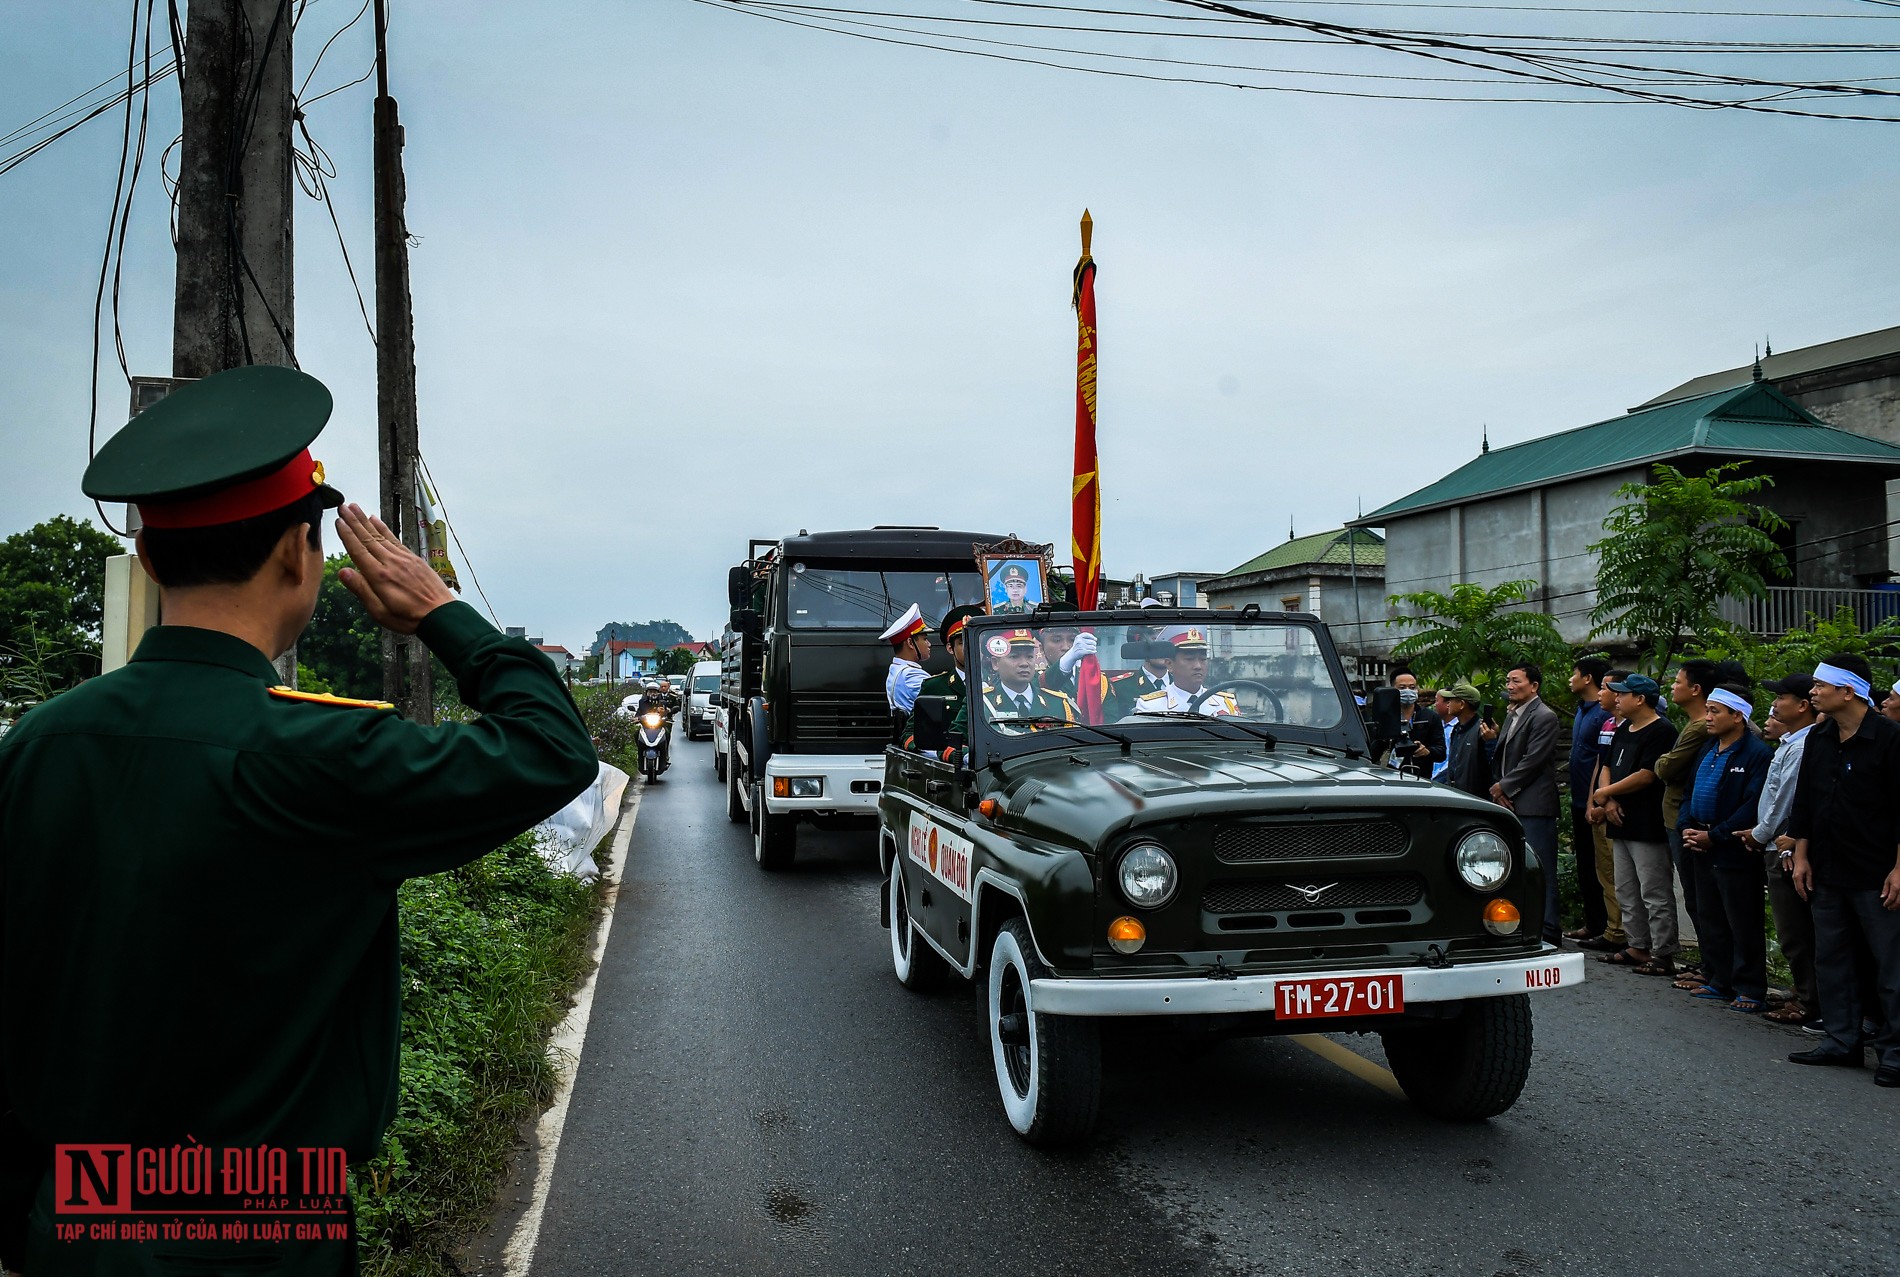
point(656, 696)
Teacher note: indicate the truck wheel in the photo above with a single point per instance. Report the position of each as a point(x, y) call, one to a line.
point(1468, 1068)
point(774, 837)
point(1048, 1067)
point(920, 968)
point(735, 810)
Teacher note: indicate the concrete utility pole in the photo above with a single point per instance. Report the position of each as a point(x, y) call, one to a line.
point(407, 671)
point(235, 299)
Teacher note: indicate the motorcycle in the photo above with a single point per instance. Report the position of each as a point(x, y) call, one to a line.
point(656, 742)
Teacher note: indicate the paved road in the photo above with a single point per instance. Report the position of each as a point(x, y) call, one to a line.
point(758, 1096)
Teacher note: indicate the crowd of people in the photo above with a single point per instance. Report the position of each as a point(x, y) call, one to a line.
point(1701, 819)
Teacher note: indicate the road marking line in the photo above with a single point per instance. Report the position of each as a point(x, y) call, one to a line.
point(1351, 1061)
point(518, 1256)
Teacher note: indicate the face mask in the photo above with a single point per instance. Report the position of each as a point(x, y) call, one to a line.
point(1408, 696)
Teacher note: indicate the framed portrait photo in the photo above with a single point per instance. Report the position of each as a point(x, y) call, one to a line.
point(1014, 583)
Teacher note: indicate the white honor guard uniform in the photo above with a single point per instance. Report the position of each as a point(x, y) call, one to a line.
point(1189, 642)
point(907, 676)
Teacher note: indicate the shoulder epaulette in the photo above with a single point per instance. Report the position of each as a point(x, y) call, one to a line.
point(325, 698)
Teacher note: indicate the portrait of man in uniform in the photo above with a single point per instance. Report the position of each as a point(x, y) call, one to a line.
point(1015, 585)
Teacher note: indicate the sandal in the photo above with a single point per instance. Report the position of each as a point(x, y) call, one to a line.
point(1709, 993)
point(1790, 1012)
point(1689, 982)
point(1747, 1006)
point(1581, 933)
point(1601, 945)
point(1659, 967)
point(1623, 958)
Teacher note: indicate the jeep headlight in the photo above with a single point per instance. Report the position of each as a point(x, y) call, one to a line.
point(1148, 876)
point(1484, 860)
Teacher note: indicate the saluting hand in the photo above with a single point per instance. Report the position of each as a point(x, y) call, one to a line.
point(396, 586)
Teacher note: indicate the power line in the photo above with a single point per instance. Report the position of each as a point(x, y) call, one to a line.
point(443, 507)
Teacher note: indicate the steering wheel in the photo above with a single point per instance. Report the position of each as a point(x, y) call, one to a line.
point(1200, 697)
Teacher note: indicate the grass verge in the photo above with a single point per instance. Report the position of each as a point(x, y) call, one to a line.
point(491, 954)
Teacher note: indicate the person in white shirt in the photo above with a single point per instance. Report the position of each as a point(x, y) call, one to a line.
point(1187, 674)
point(1790, 720)
point(909, 638)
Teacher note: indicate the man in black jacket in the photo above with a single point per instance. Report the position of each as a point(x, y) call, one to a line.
point(1846, 829)
point(1423, 746)
point(1468, 765)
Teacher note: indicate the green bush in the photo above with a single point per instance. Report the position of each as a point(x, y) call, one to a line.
point(491, 953)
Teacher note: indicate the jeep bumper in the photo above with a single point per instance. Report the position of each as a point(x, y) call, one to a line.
point(1199, 995)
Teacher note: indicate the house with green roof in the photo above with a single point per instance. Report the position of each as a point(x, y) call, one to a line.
point(1338, 576)
point(1532, 509)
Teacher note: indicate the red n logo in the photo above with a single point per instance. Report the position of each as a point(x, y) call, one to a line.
point(92, 1179)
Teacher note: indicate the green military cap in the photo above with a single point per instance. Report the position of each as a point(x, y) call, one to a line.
point(1014, 572)
point(955, 619)
point(231, 446)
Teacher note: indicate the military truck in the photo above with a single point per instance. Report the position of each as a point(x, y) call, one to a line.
point(802, 685)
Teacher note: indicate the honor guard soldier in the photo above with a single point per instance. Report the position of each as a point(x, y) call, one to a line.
point(1015, 587)
point(1187, 674)
point(909, 638)
point(1015, 694)
point(948, 685)
point(201, 865)
point(1129, 686)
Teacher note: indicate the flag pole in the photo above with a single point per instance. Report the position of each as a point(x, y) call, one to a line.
point(1085, 495)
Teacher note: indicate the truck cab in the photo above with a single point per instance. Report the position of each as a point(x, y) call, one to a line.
point(805, 719)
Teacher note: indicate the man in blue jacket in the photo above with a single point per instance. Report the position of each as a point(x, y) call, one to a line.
point(1723, 798)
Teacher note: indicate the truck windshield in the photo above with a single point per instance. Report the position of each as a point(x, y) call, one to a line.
point(822, 597)
point(1256, 672)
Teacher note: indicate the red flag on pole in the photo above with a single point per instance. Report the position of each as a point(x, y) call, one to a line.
point(1085, 502)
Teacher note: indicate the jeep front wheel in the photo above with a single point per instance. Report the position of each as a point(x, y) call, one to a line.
point(1048, 1067)
point(1467, 1068)
point(920, 968)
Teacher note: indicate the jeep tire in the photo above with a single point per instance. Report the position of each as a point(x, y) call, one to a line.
point(1467, 1068)
point(1048, 1067)
point(774, 837)
point(919, 968)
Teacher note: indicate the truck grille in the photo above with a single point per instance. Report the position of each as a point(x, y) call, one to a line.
point(1270, 896)
point(843, 716)
point(1252, 843)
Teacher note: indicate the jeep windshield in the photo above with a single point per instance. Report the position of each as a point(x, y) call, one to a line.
point(1201, 677)
point(823, 596)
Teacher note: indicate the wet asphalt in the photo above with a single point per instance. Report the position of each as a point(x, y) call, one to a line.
point(758, 1095)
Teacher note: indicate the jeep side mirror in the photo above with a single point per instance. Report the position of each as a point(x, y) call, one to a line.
point(739, 587)
point(1382, 717)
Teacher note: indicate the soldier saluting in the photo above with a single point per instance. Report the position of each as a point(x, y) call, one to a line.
point(201, 866)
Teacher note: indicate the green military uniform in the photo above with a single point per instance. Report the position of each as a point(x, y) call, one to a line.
point(949, 684)
point(1126, 689)
point(200, 868)
point(1032, 702)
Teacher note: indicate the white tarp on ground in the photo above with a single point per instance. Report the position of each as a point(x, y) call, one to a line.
point(567, 838)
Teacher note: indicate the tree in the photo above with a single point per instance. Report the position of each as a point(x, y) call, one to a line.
point(1799, 651)
point(52, 598)
point(662, 634)
point(675, 660)
point(342, 649)
point(1474, 634)
point(1678, 547)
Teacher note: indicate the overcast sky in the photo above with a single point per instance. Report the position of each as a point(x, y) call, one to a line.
point(687, 277)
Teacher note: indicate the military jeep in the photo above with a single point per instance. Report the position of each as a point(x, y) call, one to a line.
point(1203, 839)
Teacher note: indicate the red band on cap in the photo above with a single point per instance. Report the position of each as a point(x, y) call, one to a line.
point(954, 628)
point(911, 631)
point(296, 478)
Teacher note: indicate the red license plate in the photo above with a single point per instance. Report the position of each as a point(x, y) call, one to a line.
point(1338, 996)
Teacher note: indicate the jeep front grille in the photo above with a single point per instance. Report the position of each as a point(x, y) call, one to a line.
point(1276, 896)
point(1246, 844)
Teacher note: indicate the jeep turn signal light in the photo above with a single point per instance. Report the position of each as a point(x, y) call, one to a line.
point(1500, 917)
point(1126, 935)
point(989, 807)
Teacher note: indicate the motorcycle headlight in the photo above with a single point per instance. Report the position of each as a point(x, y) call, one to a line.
point(1484, 860)
point(1147, 875)
point(651, 719)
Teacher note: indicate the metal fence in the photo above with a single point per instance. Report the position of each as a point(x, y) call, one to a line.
point(1790, 607)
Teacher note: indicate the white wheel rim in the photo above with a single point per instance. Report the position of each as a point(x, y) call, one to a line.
point(901, 938)
point(1007, 957)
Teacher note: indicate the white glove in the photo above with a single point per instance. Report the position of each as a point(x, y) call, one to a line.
point(1084, 646)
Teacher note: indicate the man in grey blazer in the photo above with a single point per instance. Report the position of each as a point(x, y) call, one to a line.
point(1526, 770)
